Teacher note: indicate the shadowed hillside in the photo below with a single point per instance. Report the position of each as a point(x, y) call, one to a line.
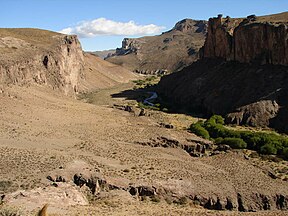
point(242, 74)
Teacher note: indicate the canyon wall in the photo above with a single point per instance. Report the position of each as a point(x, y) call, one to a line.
point(242, 73)
point(247, 40)
point(42, 57)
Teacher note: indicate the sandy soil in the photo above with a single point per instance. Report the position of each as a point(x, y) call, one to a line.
point(42, 130)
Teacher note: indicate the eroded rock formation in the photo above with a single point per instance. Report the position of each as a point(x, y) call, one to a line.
point(247, 40)
point(42, 57)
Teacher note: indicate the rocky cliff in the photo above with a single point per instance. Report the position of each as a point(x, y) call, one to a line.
point(242, 74)
point(164, 53)
point(247, 40)
point(38, 56)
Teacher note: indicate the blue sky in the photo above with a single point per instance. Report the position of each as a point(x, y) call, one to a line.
point(57, 15)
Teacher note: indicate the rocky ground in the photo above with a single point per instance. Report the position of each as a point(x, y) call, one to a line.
point(98, 159)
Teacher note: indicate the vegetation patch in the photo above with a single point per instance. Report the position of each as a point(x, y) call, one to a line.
point(236, 143)
point(262, 142)
point(147, 82)
point(199, 130)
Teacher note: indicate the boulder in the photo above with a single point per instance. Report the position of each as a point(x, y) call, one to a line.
point(142, 190)
point(168, 126)
point(81, 174)
point(142, 112)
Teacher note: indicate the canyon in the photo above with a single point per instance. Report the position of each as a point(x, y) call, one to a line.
point(72, 136)
point(45, 58)
point(241, 73)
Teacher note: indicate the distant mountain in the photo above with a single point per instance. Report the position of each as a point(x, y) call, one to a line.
point(104, 53)
point(168, 52)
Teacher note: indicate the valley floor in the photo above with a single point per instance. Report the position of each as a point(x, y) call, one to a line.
point(41, 130)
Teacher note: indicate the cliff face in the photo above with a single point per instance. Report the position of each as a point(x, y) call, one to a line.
point(242, 74)
point(168, 52)
point(264, 43)
point(245, 94)
point(247, 40)
point(42, 57)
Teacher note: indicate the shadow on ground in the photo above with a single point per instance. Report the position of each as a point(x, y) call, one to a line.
point(134, 94)
point(140, 95)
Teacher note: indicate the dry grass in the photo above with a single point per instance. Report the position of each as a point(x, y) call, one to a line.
point(10, 211)
point(30, 35)
point(274, 18)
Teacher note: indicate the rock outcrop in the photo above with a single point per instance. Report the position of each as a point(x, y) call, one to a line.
point(242, 74)
point(42, 57)
point(164, 53)
point(247, 40)
point(218, 184)
point(232, 196)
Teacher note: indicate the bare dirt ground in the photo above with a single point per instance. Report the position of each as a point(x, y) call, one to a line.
point(42, 130)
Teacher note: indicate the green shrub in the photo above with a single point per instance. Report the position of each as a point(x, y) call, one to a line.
point(268, 149)
point(236, 143)
point(248, 136)
point(285, 153)
point(199, 130)
point(285, 142)
point(218, 140)
point(216, 119)
point(264, 143)
point(232, 133)
point(215, 130)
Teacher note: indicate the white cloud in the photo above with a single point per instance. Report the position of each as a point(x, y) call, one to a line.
point(103, 26)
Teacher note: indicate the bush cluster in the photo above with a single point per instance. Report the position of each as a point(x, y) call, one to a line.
point(236, 143)
point(264, 143)
point(199, 130)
